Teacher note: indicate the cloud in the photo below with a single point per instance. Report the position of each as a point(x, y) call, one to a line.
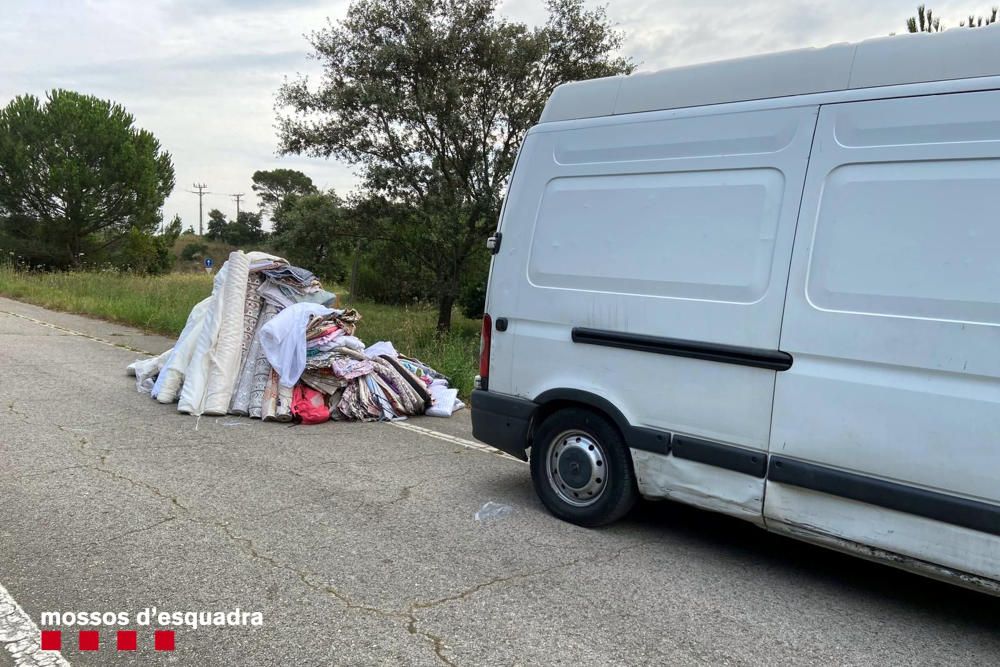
point(202, 75)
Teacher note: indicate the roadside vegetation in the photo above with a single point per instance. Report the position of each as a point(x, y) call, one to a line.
point(160, 304)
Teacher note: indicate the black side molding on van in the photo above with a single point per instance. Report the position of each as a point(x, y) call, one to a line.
point(774, 360)
point(729, 457)
point(957, 511)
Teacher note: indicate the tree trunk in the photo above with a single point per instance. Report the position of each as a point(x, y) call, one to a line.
point(445, 302)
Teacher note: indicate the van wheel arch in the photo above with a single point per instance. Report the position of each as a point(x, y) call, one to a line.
point(554, 400)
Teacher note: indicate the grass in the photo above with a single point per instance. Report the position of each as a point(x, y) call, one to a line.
point(160, 304)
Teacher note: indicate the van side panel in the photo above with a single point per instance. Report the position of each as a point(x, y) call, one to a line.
point(658, 225)
point(893, 319)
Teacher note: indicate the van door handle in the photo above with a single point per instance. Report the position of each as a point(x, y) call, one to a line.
point(501, 324)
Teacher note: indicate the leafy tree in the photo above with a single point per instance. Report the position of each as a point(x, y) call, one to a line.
point(273, 186)
point(144, 253)
point(172, 232)
point(315, 233)
point(924, 21)
point(979, 22)
point(432, 99)
point(216, 224)
point(246, 229)
point(77, 178)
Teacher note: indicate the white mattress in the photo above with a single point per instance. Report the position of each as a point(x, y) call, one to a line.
point(223, 361)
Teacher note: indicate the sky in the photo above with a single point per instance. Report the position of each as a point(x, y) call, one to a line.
point(201, 75)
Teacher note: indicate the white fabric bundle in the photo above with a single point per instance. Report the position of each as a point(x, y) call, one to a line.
point(445, 400)
point(168, 384)
point(283, 339)
point(223, 362)
point(146, 371)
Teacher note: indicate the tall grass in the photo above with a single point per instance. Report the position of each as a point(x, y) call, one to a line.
point(160, 304)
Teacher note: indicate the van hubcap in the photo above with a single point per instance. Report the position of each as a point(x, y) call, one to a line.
point(577, 468)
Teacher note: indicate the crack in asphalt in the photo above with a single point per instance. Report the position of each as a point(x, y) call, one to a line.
point(17, 413)
point(405, 459)
point(462, 596)
point(247, 546)
point(408, 618)
point(137, 530)
point(407, 491)
point(306, 503)
point(46, 472)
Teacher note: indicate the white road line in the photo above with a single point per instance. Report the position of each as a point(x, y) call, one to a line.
point(454, 439)
point(74, 332)
point(21, 638)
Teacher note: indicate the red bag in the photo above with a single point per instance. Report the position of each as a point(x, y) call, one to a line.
point(309, 405)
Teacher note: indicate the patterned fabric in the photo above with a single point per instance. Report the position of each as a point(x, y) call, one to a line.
point(254, 365)
point(269, 400)
point(276, 404)
point(420, 369)
point(260, 370)
point(346, 320)
point(347, 367)
point(283, 408)
point(292, 275)
point(265, 265)
point(323, 380)
point(251, 313)
point(357, 403)
point(404, 397)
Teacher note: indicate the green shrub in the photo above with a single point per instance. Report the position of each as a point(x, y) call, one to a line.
point(472, 300)
point(388, 274)
point(193, 251)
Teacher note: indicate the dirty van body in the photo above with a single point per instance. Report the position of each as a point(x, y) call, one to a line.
point(769, 288)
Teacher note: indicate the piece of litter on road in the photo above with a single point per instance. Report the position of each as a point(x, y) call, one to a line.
point(222, 422)
point(492, 510)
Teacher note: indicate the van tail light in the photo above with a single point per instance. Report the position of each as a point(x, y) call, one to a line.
point(484, 347)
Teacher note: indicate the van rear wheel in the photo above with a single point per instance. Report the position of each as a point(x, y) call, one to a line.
point(581, 468)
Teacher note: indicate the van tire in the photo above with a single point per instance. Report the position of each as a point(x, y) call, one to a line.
point(589, 443)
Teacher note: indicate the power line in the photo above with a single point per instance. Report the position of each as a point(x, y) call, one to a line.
point(237, 197)
point(201, 192)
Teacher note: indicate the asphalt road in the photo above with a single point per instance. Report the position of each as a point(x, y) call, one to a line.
point(359, 543)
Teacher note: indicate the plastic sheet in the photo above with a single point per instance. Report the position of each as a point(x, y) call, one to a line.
point(492, 510)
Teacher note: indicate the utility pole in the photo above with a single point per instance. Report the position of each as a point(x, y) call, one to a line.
point(201, 192)
point(237, 197)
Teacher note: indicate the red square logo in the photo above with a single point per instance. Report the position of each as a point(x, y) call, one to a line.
point(163, 640)
point(126, 640)
point(89, 640)
point(51, 640)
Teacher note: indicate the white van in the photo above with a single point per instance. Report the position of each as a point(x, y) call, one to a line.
point(768, 287)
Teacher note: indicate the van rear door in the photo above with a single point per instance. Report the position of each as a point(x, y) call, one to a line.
point(886, 429)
